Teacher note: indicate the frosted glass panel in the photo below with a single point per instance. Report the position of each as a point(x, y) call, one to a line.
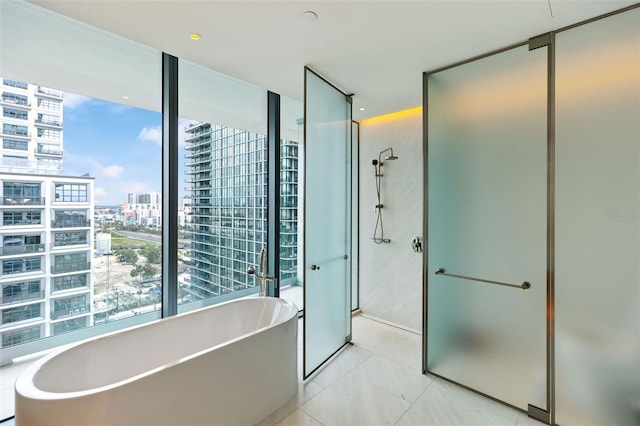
point(327, 221)
point(598, 223)
point(487, 219)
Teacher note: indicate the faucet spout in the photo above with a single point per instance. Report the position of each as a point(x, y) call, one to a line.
point(264, 261)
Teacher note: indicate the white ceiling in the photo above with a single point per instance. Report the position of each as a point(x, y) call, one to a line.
point(374, 49)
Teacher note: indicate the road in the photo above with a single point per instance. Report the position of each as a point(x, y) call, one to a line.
point(149, 237)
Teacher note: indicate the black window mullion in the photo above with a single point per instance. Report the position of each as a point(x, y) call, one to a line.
point(273, 191)
point(170, 179)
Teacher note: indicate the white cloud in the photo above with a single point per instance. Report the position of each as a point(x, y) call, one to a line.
point(100, 196)
point(72, 100)
point(151, 134)
point(80, 164)
point(112, 171)
point(154, 134)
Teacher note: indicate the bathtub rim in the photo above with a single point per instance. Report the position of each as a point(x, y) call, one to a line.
point(26, 388)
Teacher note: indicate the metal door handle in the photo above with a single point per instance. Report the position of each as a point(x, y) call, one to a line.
point(525, 285)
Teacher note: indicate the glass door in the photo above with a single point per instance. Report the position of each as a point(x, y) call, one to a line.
point(327, 246)
point(487, 180)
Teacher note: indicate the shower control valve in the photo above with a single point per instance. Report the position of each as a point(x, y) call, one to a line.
point(416, 243)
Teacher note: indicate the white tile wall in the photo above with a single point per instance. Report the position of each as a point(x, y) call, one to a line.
point(391, 274)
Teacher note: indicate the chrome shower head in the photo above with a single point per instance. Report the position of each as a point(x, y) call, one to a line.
point(388, 157)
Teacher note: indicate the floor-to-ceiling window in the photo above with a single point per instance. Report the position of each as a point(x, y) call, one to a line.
point(291, 200)
point(224, 167)
point(80, 164)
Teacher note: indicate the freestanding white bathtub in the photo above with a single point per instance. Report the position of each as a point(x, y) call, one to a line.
point(230, 364)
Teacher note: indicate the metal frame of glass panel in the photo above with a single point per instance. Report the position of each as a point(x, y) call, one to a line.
point(355, 206)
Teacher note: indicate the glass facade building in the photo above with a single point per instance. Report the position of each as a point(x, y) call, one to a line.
point(226, 224)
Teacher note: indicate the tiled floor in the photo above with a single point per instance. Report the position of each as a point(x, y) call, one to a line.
point(8, 376)
point(375, 381)
point(378, 381)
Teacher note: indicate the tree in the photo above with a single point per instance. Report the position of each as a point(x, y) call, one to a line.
point(152, 253)
point(127, 256)
point(144, 271)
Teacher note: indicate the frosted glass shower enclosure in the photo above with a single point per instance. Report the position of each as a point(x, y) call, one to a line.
point(533, 177)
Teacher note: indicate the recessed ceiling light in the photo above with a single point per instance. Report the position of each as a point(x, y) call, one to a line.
point(310, 15)
point(195, 36)
point(125, 97)
point(362, 108)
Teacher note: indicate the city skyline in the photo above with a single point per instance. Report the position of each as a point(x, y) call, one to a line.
point(117, 144)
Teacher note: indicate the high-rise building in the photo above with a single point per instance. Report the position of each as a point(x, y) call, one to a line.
point(143, 209)
point(227, 209)
point(46, 233)
point(288, 212)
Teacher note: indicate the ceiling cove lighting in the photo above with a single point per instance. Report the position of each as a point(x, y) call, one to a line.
point(394, 115)
point(194, 36)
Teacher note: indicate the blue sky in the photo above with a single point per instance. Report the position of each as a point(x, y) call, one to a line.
point(117, 144)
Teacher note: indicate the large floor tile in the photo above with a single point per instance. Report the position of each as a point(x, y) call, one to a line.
point(8, 376)
point(351, 401)
point(299, 418)
point(7, 408)
point(342, 363)
point(391, 342)
point(399, 379)
point(305, 392)
point(446, 404)
point(524, 420)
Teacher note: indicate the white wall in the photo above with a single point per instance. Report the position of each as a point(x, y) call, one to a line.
point(391, 274)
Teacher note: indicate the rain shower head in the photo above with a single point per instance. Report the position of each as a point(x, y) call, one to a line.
point(388, 157)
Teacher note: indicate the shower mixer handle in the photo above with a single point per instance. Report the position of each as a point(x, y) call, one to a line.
point(262, 275)
point(314, 267)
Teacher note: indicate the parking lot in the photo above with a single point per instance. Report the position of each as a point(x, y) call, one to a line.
point(116, 291)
